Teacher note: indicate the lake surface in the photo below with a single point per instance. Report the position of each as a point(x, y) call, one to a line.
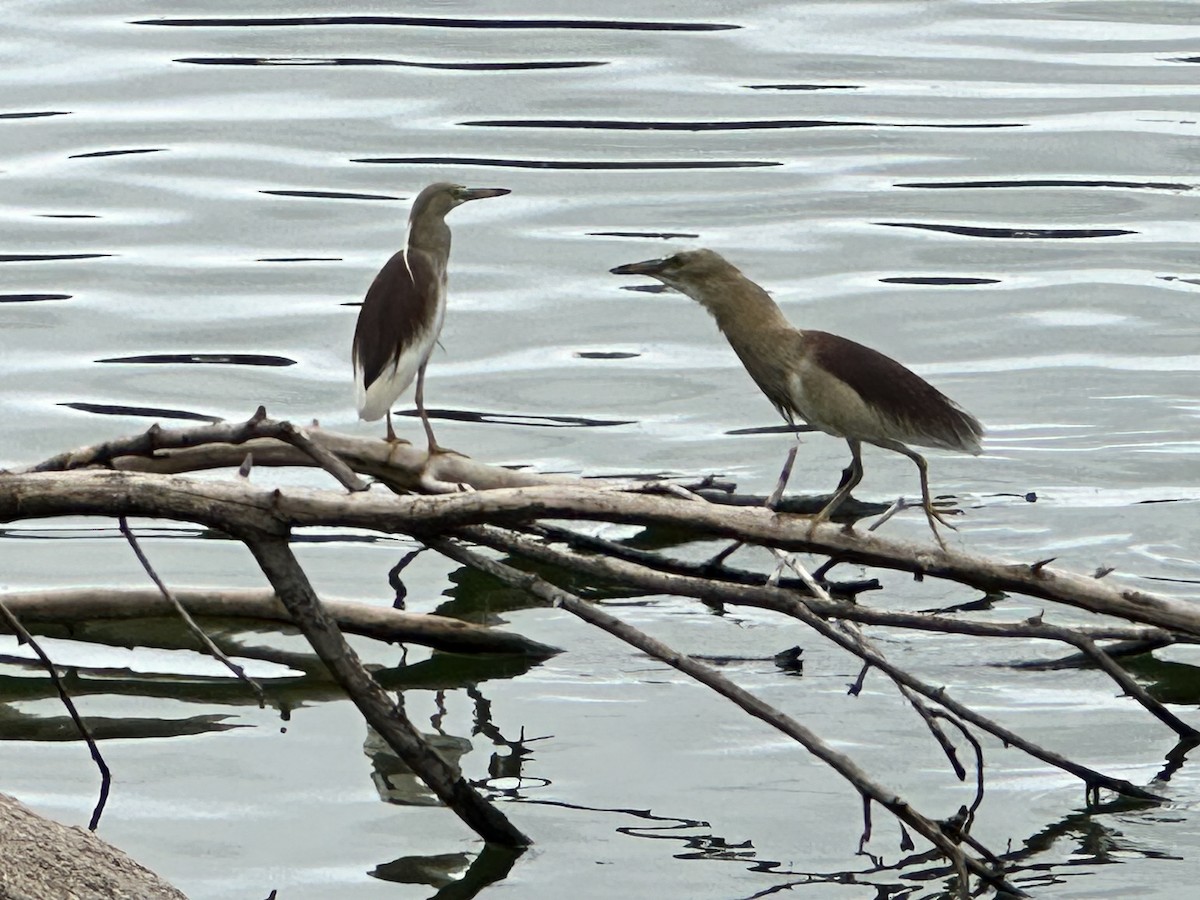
point(1000, 194)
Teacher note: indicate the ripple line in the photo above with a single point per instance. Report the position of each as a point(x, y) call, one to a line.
point(32, 298)
point(664, 235)
point(48, 257)
point(495, 418)
point(329, 195)
point(804, 87)
point(439, 22)
point(742, 125)
point(567, 164)
point(38, 114)
point(974, 231)
point(152, 412)
point(1050, 183)
point(299, 259)
point(224, 359)
point(937, 280)
point(99, 153)
point(412, 64)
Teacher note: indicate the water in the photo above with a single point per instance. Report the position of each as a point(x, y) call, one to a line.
point(999, 194)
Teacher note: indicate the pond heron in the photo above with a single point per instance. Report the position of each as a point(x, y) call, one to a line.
point(832, 383)
point(402, 314)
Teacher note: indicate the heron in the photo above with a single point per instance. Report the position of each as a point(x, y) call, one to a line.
point(402, 314)
point(834, 384)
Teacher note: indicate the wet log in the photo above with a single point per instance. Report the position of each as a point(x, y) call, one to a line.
point(41, 609)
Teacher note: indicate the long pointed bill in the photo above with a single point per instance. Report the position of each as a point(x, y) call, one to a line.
point(646, 267)
point(482, 193)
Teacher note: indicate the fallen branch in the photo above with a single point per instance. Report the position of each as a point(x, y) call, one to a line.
point(95, 492)
point(41, 609)
point(839, 762)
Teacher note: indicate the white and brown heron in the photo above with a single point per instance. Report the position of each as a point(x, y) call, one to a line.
point(832, 383)
point(402, 314)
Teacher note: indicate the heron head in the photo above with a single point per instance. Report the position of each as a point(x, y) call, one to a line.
point(684, 271)
point(438, 199)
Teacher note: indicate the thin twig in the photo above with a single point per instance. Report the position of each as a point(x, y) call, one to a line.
point(186, 617)
point(15, 626)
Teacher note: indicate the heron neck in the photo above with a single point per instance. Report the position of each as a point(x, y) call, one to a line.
point(431, 236)
point(745, 313)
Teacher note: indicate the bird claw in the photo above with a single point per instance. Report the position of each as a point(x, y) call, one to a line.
point(438, 449)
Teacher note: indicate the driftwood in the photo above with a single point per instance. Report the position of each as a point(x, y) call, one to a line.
point(457, 505)
point(41, 611)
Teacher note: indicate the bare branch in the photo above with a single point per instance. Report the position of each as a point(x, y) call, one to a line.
point(15, 626)
point(201, 635)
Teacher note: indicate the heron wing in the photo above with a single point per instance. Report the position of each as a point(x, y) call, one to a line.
point(396, 312)
point(910, 408)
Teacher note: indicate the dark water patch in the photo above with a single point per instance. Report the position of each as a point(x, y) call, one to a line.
point(1048, 233)
point(1179, 278)
point(1183, 59)
point(569, 164)
point(48, 257)
point(1050, 183)
point(330, 195)
point(937, 280)
point(663, 235)
point(299, 259)
point(38, 114)
point(606, 354)
point(488, 418)
point(733, 125)
point(67, 216)
point(100, 153)
point(439, 22)
point(32, 298)
point(221, 359)
point(149, 412)
point(804, 87)
point(404, 63)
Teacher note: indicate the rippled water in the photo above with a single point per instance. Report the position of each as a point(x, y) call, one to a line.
point(1000, 194)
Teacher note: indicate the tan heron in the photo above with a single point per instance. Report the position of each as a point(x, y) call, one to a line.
point(832, 383)
point(402, 314)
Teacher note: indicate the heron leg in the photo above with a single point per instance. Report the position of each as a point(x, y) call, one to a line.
point(434, 447)
point(391, 432)
point(931, 515)
point(850, 479)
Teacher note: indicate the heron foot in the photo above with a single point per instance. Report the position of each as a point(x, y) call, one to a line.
point(437, 449)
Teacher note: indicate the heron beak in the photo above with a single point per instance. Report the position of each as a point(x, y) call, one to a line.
point(646, 267)
point(481, 193)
